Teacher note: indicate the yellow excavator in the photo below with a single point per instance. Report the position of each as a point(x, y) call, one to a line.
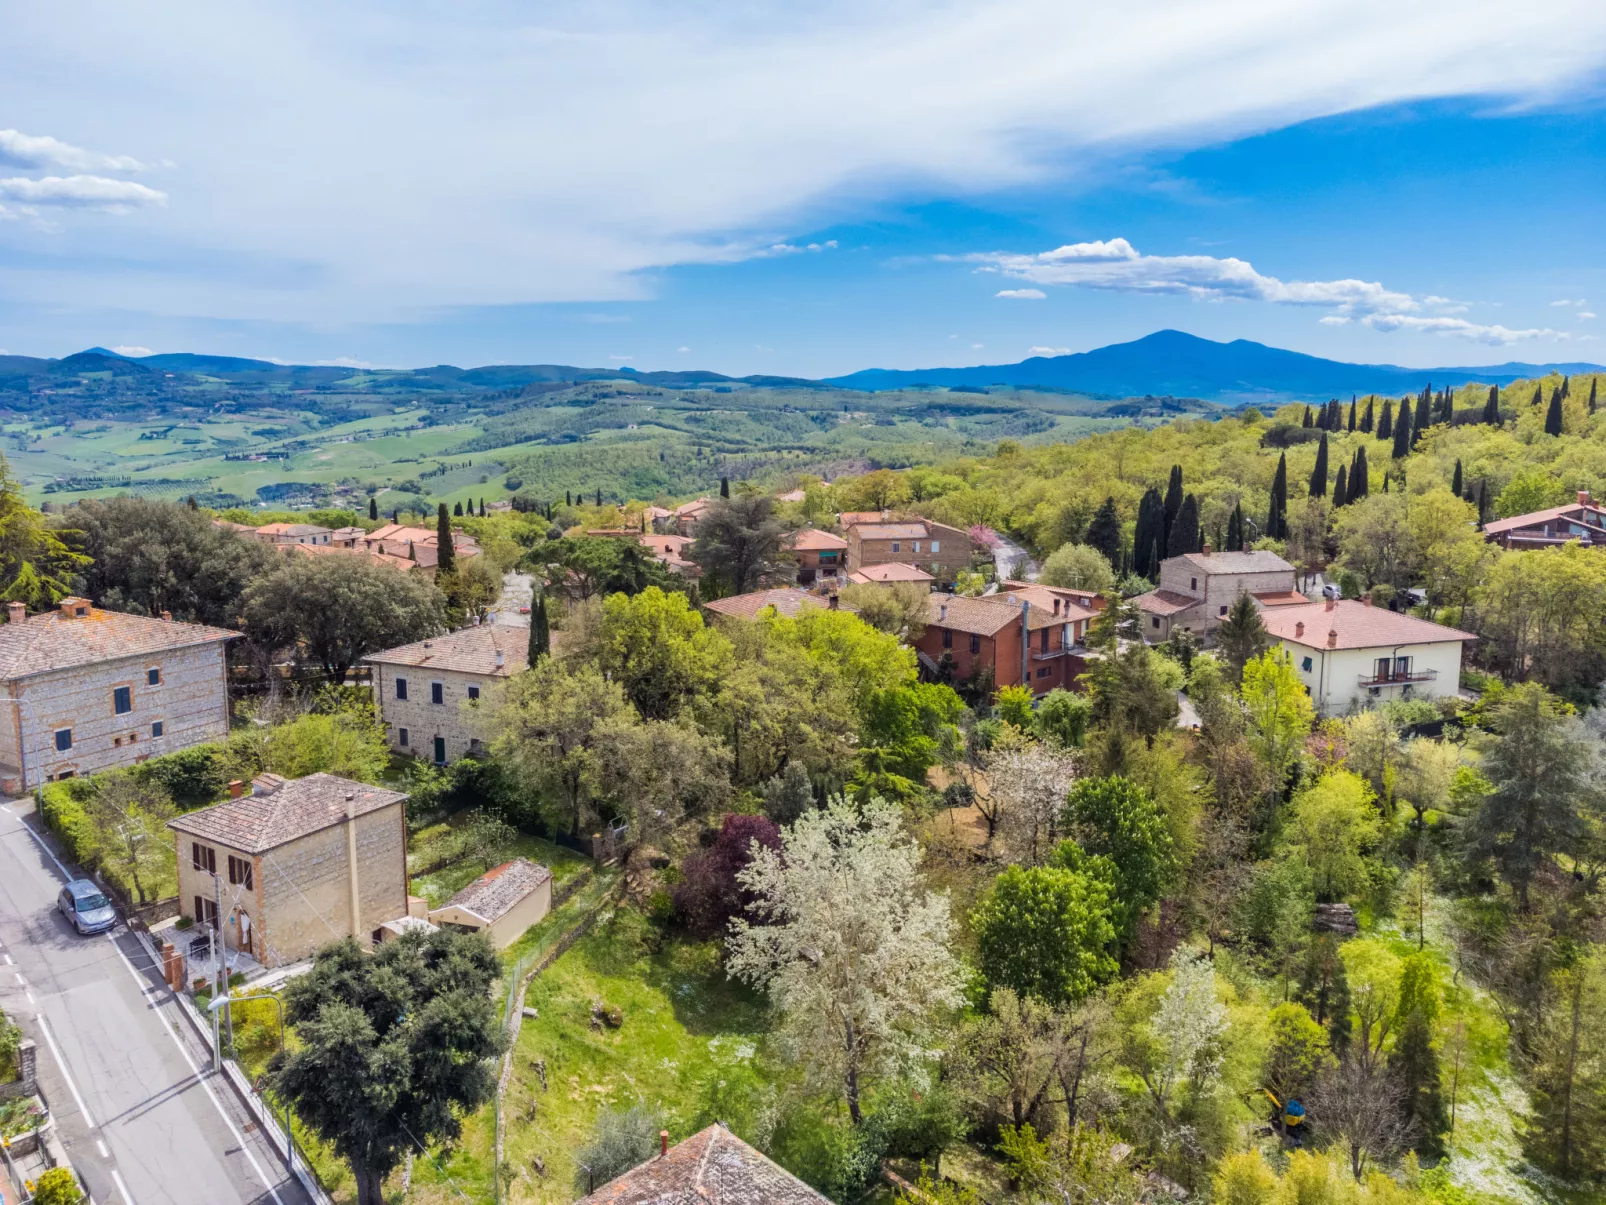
point(1287, 1119)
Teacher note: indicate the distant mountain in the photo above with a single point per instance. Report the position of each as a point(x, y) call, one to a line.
point(1183, 365)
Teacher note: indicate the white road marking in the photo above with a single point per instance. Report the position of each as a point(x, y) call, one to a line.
point(100, 1145)
point(205, 1087)
point(7, 957)
point(31, 1000)
point(21, 982)
point(44, 1028)
point(47, 850)
point(122, 1188)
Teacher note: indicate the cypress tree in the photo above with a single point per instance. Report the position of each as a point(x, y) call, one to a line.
point(1385, 425)
point(1306, 424)
point(1366, 422)
point(1104, 532)
point(1318, 475)
point(1491, 407)
point(1593, 381)
point(1423, 420)
point(1148, 534)
point(1184, 534)
point(1235, 529)
point(1553, 415)
point(568, 500)
point(373, 510)
point(724, 487)
point(445, 550)
point(458, 510)
point(1336, 419)
point(1483, 501)
point(1360, 483)
point(1173, 504)
point(1277, 517)
point(482, 508)
point(1340, 488)
point(540, 636)
point(1566, 383)
point(1352, 412)
point(395, 518)
point(1455, 481)
point(1402, 432)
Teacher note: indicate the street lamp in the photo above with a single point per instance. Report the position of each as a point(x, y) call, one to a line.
point(224, 1002)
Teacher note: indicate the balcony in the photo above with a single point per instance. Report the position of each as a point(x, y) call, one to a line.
point(1399, 677)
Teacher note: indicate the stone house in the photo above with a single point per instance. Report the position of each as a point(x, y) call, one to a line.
point(88, 689)
point(502, 903)
point(430, 692)
point(1197, 590)
point(787, 601)
point(940, 550)
point(712, 1167)
point(1583, 520)
point(293, 533)
point(819, 553)
point(688, 514)
point(418, 545)
point(889, 573)
point(296, 864)
point(1350, 654)
point(1032, 635)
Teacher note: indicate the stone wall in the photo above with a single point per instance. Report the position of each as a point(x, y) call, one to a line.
point(460, 720)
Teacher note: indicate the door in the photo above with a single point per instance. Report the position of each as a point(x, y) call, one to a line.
point(1381, 669)
point(245, 933)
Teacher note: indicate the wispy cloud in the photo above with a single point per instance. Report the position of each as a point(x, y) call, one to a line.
point(1583, 315)
point(337, 362)
point(1492, 334)
point(79, 192)
point(42, 151)
point(1022, 294)
point(1048, 351)
point(1569, 301)
point(621, 358)
point(776, 249)
point(123, 349)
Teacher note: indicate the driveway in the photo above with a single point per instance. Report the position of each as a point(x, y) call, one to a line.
point(144, 1120)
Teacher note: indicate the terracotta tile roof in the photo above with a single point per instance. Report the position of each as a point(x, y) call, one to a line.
point(470, 651)
point(695, 507)
point(498, 891)
point(850, 517)
point(787, 600)
point(292, 529)
point(52, 641)
point(1058, 604)
point(1237, 562)
point(1358, 626)
point(1586, 513)
point(890, 571)
point(812, 539)
point(891, 531)
point(262, 821)
point(665, 546)
point(712, 1167)
point(384, 558)
point(1165, 602)
point(1091, 597)
point(396, 532)
point(654, 513)
point(1280, 598)
point(986, 616)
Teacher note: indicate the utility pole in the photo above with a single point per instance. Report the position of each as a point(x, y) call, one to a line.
point(220, 981)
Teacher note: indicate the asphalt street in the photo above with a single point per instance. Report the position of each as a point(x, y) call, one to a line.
point(129, 1083)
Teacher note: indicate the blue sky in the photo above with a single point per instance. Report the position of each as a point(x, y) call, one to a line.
point(804, 189)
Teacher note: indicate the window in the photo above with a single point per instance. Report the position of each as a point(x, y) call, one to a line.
point(401, 737)
point(1305, 665)
point(401, 689)
point(827, 556)
point(975, 643)
point(947, 639)
point(1044, 672)
point(123, 700)
point(206, 911)
point(473, 692)
point(936, 546)
point(1223, 611)
point(1042, 643)
point(1155, 622)
point(157, 729)
point(62, 775)
point(63, 739)
point(1380, 668)
point(437, 692)
point(240, 872)
point(117, 742)
point(896, 546)
point(153, 676)
point(1402, 667)
point(917, 546)
point(440, 750)
point(1193, 583)
point(203, 857)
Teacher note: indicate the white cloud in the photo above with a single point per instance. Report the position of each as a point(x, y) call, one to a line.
point(1022, 294)
point(790, 249)
point(1495, 335)
point(682, 349)
point(1583, 315)
point(621, 357)
point(977, 346)
point(627, 136)
point(42, 151)
point(122, 349)
point(1569, 301)
point(79, 192)
point(1048, 351)
point(337, 362)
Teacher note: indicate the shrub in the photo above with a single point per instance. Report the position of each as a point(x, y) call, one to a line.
point(58, 1186)
point(708, 895)
point(620, 1140)
point(62, 806)
point(1014, 706)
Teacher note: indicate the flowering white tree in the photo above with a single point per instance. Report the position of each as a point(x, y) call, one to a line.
point(1028, 787)
point(852, 948)
point(1183, 1042)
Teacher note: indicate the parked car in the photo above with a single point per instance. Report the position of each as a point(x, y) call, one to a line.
point(86, 907)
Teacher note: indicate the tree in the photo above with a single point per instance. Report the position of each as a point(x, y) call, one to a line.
point(1341, 487)
point(130, 818)
point(582, 567)
point(1402, 433)
point(1423, 418)
point(1277, 515)
point(1235, 528)
point(1553, 424)
point(1116, 820)
point(709, 894)
point(1491, 407)
point(1045, 932)
point(1360, 484)
point(471, 589)
point(1593, 382)
point(1529, 490)
point(850, 946)
point(1332, 827)
point(724, 488)
point(1280, 713)
point(1568, 1130)
point(148, 557)
point(1414, 1060)
point(1385, 424)
point(898, 608)
point(1062, 718)
point(1026, 790)
point(1079, 567)
point(1455, 480)
point(739, 541)
point(620, 1140)
point(1104, 532)
point(1242, 636)
point(458, 510)
point(1318, 475)
point(1133, 689)
point(1359, 1105)
point(56, 1186)
point(373, 509)
point(1173, 507)
point(1010, 1059)
point(1297, 1052)
point(655, 646)
point(395, 1046)
point(1013, 705)
point(335, 610)
point(445, 547)
point(1148, 536)
point(1366, 423)
point(1183, 537)
point(1535, 768)
point(540, 632)
point(1175, 1042)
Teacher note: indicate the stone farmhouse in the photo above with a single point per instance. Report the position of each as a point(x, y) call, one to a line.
point(1583, 520)
point(429, 692)
point(937, 549)
point(296, 864)
point(712, 1167)
point(502, 903)
point(1197, 590)
point(1351, 654)
point(293, 533)
point(88, 689)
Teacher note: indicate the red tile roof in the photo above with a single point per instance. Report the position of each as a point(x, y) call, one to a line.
point(985, 616)
point(53, 641)
point(276, 814)
point(1165, 602)
point(891, 531)
point(1358, 626)
point(1596, 517)
point(787, 601)
point(470, 651)
point(712, 1167)
point(890, 571)
point(812, 539)
point(1280, 598)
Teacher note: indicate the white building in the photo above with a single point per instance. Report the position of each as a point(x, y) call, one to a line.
point(1350, 654)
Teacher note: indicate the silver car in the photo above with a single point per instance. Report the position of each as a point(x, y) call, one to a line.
point(86, 907)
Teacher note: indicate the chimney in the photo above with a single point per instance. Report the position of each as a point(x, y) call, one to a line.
point(663, 1143)
point(499, 659)
point(1367, 600)
point(834, 602)
point(1299, 629)
point(1206, 549)
point(942, 613)
point(1056, 605)
point(1583, 497)
point(16, 612)
point(1332, 638)
point(167, 617)
point(1328, 604)
point(236, 789)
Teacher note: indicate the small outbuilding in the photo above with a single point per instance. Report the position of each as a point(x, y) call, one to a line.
point(502, 903)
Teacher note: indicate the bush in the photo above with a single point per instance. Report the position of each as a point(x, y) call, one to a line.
point(61, 806)
point(620, 1140)
point(58, 1186)
point(708, 895)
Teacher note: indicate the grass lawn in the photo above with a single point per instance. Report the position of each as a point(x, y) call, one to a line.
point(429, 845)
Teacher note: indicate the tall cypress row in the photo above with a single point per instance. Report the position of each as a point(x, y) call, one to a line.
point(1385, 424)
point(1307, 423)
point(1402, 432)
point(1318, 475)
point(1455, 481)
point(1235, 529)
point(1360, 483)
point(1366, 423)
point(1173, 504)
point(445, 550)
point(1340, 488)
point(1491, 408)
point(1183, 537)
point(1553, 414)
point(1277, 518)
point(1352, 412)
point(1424, 417)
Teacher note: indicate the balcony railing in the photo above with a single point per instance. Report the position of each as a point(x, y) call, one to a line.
point(1392, 679)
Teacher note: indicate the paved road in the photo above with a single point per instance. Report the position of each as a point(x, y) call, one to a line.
point(117, 1062)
